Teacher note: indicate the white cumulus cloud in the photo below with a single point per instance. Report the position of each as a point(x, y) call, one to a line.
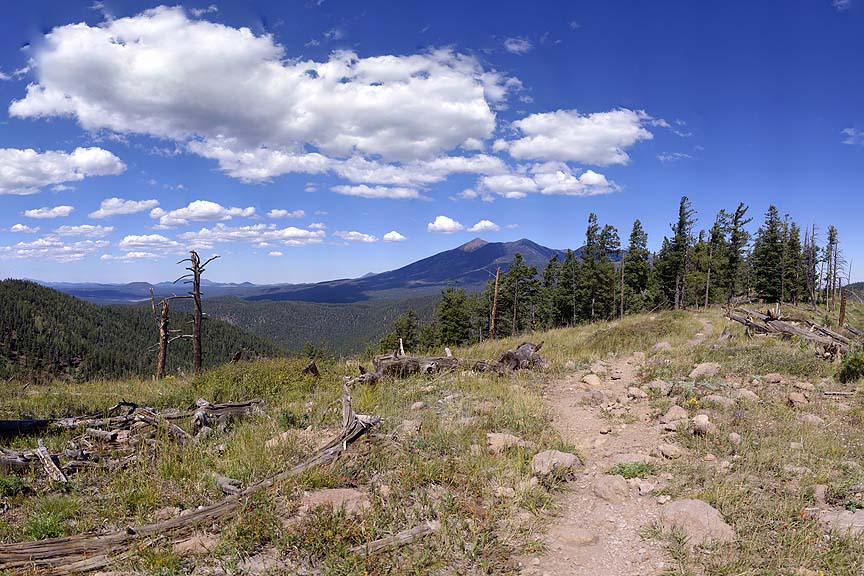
point(255, 233)
point(354, 236)
point(52, 248)
point(394, 236)
point(601, 138)
point(23, 228)
point(49, 212)
point(235, 94)
point(131, 256)
point(378, 192)
point(279, 213)
point(199, 211)
point(148, 242)
point(28, 171)
point(275, 253)
point(118, 206)
point(444, 225)
point(86, 230)
point(485, 226)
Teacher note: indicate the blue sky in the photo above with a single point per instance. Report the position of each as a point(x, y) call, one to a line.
point(304, 141)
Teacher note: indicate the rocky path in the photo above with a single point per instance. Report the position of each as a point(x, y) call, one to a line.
point(598, 528)
point(606, 413)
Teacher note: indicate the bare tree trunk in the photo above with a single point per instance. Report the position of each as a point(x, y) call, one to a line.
point(163, 341)
point(842, 308)
point(494, 306)
point(196, 269)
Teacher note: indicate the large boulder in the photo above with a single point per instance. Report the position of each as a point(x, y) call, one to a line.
point(698, 520)
point(554, 462)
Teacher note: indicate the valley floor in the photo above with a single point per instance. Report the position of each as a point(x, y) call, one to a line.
point(700, 452)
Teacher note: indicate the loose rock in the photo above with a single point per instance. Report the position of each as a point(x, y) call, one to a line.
point(500, 441)
point(419, 405)
point(674, 414)
point(670, 451)
point(592, 380)
point(811, 419)
point(796, 399)
point(700, 424)
point(660, 387)
point(844, 521)
point(734, 438)
point(554, 462)
point(773, 378)
point(635, 392)
point(698, 520)
point(705, 370)
point(351, 500)
point(745, 395)
point(613, 489)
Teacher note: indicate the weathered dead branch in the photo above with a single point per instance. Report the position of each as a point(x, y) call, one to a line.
point(772, 323)
point(397, 540)
point(87, 552)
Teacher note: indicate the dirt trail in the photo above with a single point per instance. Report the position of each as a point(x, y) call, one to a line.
point(597, 530)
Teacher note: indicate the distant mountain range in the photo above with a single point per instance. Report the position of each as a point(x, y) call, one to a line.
point(342, 316)
point(469, 266)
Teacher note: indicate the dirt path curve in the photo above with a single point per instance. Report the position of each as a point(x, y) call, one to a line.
point(597, 531)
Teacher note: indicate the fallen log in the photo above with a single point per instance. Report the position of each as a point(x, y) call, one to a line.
point(523, 356)
point(770, 323)
point(54, 473)
point(87, 552)
point(397, 540)
point(401, 366)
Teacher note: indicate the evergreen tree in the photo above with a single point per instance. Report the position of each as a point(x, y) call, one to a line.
point(453, 317)
point(406, 327)
point(680, 247)
point(516, 304)
point(606, 282)
point(739, 239)
point(547, 314)
point(794, 285)
point(566, 294)
point(637, 271)
point(767, 257)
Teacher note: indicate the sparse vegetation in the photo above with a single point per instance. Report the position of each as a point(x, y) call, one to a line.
point(489, 511)
point(632, 470)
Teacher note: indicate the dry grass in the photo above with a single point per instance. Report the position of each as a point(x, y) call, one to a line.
point(439, 473)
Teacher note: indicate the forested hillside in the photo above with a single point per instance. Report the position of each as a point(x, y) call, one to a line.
point(45, 332)
point(333, 328)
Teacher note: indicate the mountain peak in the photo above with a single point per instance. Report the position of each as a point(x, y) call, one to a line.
point(474, 244)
